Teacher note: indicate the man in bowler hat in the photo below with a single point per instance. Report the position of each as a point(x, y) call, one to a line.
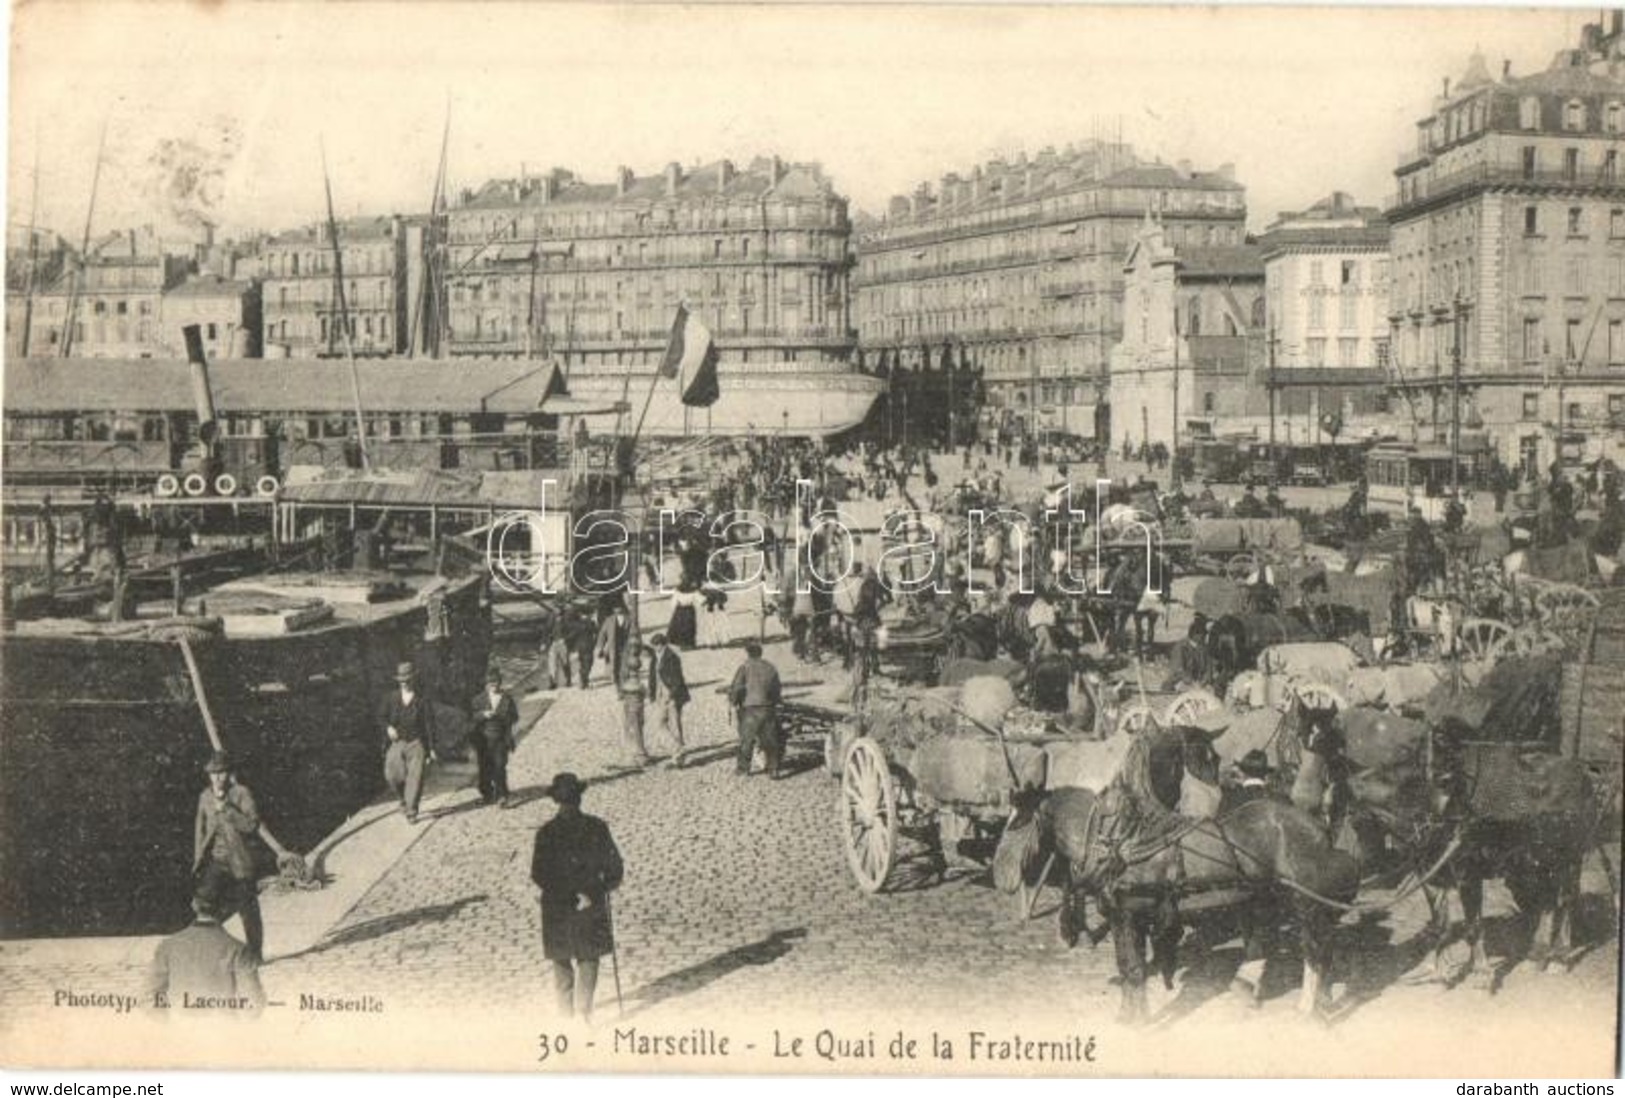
point(1254, 771)
point(408, 720)
point(576, 865)
point(494, 718)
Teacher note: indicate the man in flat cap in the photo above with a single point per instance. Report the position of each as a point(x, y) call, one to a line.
point(203, 967)
point(227, 818)
point(576, 865)
point(408, 720)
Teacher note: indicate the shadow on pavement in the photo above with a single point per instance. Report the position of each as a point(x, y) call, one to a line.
point(685, 981)
point(389, 924)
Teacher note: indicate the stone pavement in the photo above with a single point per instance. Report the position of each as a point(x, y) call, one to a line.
point(738, 901)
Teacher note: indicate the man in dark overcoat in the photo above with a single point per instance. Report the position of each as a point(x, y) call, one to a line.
point(494, 718)
point(576, 865)
point(203, 967)
point(408, 720)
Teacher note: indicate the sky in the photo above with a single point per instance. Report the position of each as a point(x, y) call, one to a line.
point(222, 108)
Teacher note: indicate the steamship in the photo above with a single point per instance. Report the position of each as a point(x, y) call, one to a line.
point(116, 681)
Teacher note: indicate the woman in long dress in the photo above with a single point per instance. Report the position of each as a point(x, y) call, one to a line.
point(685, 604)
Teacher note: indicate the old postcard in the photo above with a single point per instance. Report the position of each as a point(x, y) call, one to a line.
point(892, 540)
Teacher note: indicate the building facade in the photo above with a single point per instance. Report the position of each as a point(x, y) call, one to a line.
point(227, 313)
point(1326, 287)
point(1193, 346)
point(1019, 265)
point(1509, 251)
point(299, 294)
point(110, 305)
point(592, 273)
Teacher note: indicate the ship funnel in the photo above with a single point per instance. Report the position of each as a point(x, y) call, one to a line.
point(202, 395)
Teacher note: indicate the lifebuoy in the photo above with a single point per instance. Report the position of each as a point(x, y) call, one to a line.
point(267, 485)
point(168, 485)
point(195, 484)
point(225, 485)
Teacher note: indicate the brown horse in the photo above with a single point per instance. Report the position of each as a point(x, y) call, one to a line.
point(1487, 811)
point(1150, 869)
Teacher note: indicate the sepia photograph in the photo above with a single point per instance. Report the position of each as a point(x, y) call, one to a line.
point(910, 540)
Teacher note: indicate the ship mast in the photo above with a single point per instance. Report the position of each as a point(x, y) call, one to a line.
point(33, 254)
point(434, 258)
point(84, 248)
point(344, 312)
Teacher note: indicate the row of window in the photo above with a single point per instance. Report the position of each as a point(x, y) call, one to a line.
point(288, 264)
point(466, 227)
point(1575, 410)
point(1575, 223)
point(1579, 341)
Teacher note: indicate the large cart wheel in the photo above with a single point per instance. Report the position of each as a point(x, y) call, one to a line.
point(1240, 566)
point(1315, 695)
point(1190, 705)
point(1482, 639)
point(1136, 719)
point(868, 813)
point(1563, 604)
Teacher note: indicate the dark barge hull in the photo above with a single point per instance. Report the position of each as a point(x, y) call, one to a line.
point(102, 744)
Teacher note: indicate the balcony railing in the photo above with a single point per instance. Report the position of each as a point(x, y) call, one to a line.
point(1434, 188)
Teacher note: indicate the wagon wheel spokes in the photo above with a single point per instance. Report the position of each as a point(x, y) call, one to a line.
point(1136, 719)
point(1484, 639)
point(1239, 694)
point(1240, 566)
point(868, 813)
point(1190, 705)
point(1315, 695)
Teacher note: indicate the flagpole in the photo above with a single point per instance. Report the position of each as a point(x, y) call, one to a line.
point(671, 342)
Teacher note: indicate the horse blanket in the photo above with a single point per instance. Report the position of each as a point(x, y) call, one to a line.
point(1371, 594)
point(1326, 662)
point(1570, 563)
point(1215, 597)
point(1232, 535)
point(1394, 686)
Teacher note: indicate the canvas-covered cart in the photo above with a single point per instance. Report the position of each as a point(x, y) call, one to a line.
point(929, 767)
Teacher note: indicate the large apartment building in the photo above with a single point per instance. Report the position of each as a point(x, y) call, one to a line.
point(1326, 279)
point(593, 273)
point(109, 305)
point(382, 259)
point(1019, 265)
point(1509, 249)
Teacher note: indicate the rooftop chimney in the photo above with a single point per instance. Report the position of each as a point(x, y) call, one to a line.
point(623, 181)
point(674, 176)
point(725, 175)
point(1506, 68)
point(922, 200)
point(778, 170)
point(1447, 87)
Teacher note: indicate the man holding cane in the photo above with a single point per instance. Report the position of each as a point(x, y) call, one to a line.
point(576, 865)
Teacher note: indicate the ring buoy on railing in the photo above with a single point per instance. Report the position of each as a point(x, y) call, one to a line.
point(225, 485)
point(195, 484)
point(168, 485)
point(267, 485)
